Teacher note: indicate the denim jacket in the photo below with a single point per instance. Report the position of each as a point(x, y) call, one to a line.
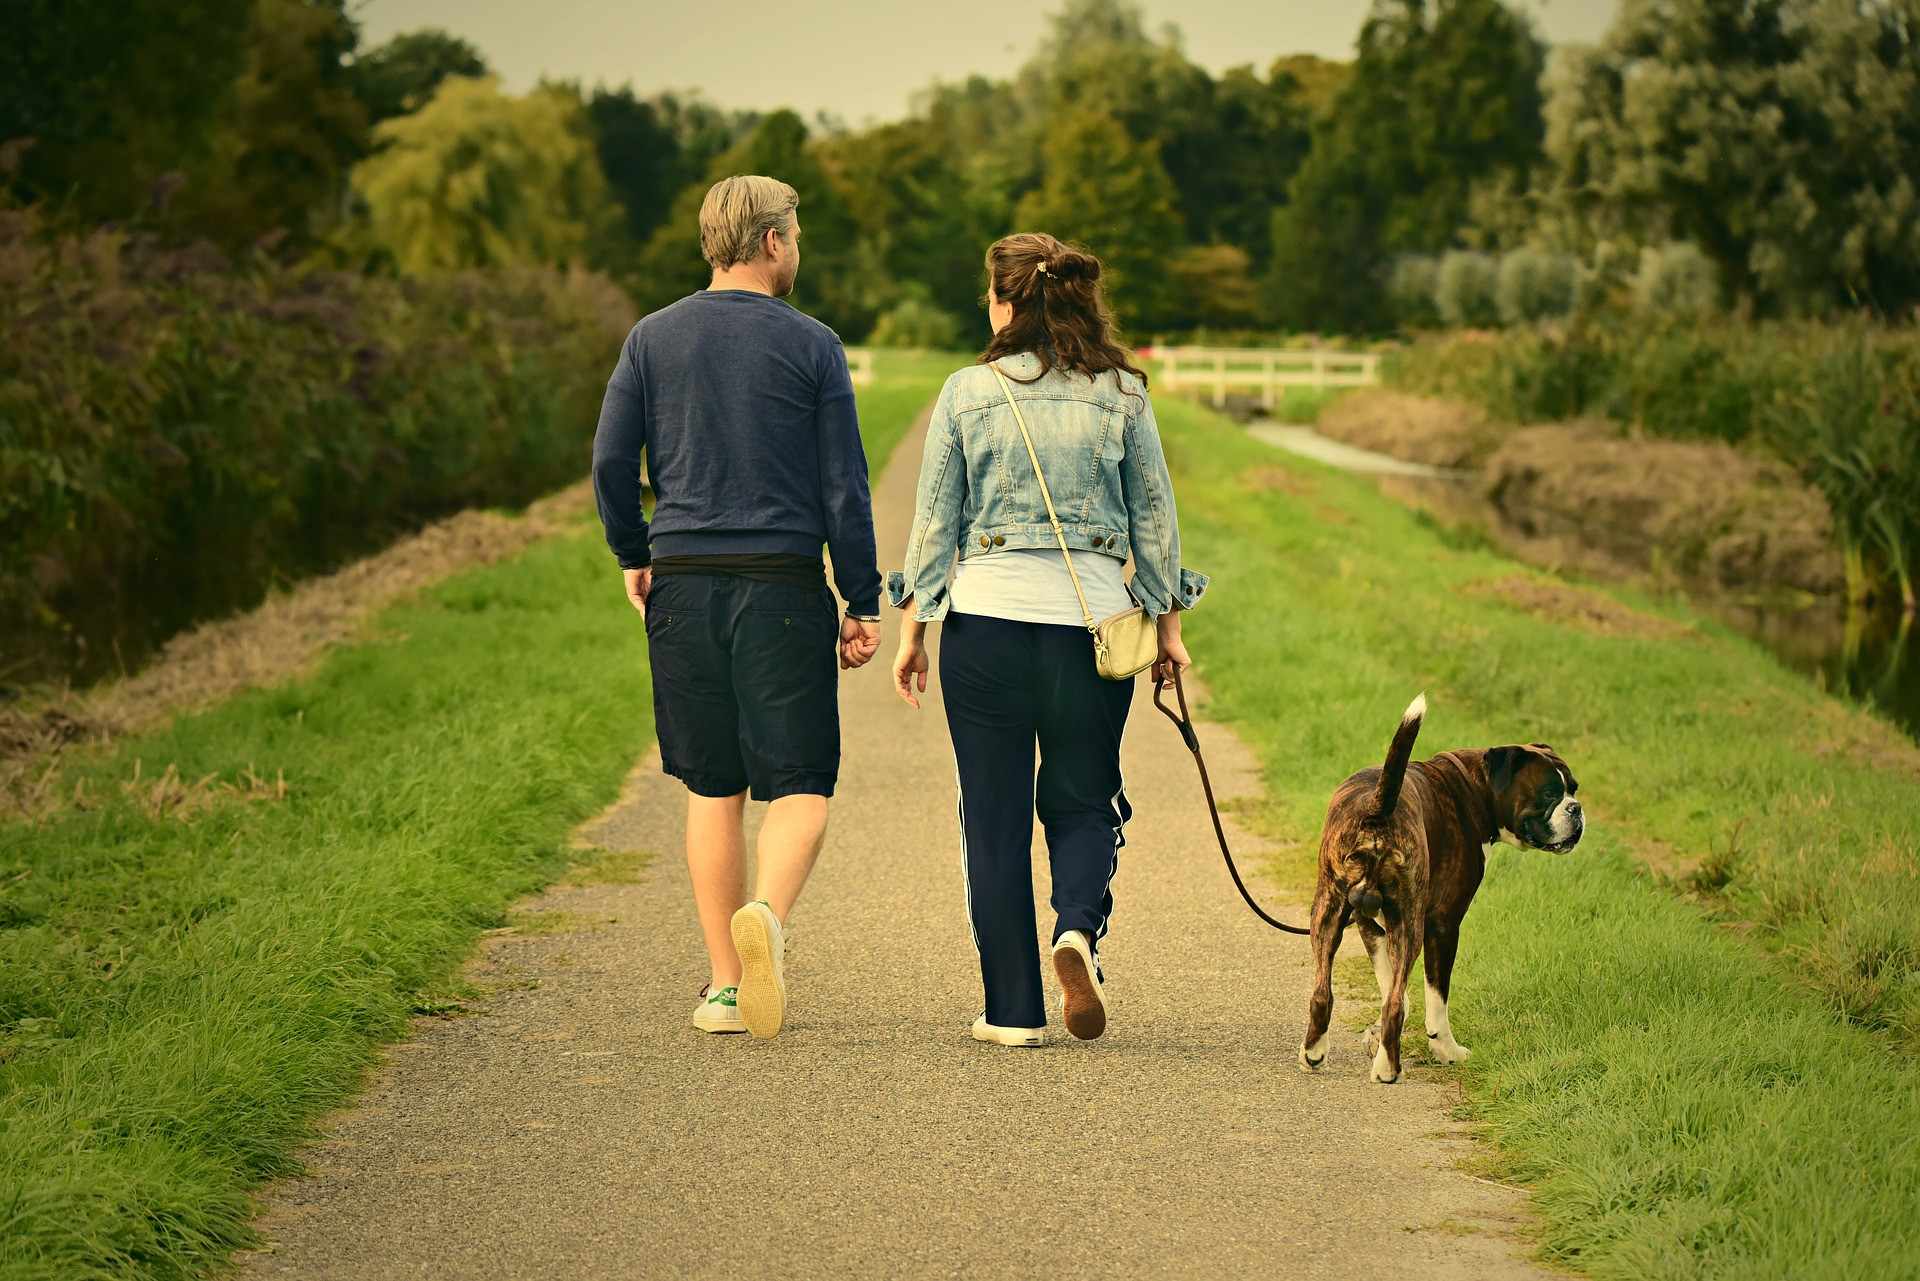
point(1096, 439)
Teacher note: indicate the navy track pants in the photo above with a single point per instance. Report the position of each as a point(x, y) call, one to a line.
point(1007, 687)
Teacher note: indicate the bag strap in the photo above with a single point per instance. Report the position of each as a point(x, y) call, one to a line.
point(1053, 516)
point(1184, 722)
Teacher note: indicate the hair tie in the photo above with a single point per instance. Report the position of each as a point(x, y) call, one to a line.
point(1042, 268)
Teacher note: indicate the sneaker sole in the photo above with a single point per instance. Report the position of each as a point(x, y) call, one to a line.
point(1021, 1043)
point(1085, 1014)
point(761, 1000)
point(719, 1029)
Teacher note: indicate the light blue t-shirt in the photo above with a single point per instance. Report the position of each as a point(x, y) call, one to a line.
point(1033, 586)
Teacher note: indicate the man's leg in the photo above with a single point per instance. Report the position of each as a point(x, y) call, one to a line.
point(717, 862)
point(790, 841)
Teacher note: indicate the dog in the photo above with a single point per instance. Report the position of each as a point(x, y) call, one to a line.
point(1402, 853)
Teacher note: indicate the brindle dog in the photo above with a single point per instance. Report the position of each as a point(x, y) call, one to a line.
point(1403, 852)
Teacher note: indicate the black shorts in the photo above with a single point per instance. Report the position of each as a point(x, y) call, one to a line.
point(746, 685)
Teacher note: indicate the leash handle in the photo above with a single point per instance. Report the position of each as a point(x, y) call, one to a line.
point(1183, 721)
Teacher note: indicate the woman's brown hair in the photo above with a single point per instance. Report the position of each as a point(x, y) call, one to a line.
point(1060, 313)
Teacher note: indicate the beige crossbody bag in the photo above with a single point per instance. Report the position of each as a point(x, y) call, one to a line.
point(1124, 645)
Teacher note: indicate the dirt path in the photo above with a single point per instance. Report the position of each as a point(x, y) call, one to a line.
point(582, 1129)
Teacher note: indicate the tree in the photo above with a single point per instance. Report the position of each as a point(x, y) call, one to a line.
point(1110, 193)
point(905, 189)
point(1437, 103)
point(402, 74)
point(478, 179)
point(278, 154)
point(652, 150)
point(1782, 137)
point(113, 95)
point(830, 283)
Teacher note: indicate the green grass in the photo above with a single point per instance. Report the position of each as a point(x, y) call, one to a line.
point(905, 383)
point(180, 1000)
point(1687, 1099)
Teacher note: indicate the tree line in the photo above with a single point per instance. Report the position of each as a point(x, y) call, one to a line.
point(1763, 153)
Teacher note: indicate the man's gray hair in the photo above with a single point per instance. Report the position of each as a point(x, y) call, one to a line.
point(738, 213)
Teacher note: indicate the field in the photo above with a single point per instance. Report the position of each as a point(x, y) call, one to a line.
point(1702, 1073)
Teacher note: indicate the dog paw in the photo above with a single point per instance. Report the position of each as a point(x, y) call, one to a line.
point(1383, 1070)
point(1370, 1040)
point(1448, 1052)
point(1313, 1057)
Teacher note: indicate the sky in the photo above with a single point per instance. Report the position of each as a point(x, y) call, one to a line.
point(860, 60)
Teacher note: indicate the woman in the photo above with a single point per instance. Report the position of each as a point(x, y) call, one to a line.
point(1016, 657)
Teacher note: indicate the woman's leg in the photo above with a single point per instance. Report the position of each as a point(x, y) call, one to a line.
point(985, 666)
point(1081, 799)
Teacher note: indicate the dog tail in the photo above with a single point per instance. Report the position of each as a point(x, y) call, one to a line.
point(1386, 794)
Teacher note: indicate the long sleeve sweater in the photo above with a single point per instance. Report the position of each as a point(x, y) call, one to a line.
point(744, 411)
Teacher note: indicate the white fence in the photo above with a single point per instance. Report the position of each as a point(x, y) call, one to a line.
point(860, 365)
point(1269, 371)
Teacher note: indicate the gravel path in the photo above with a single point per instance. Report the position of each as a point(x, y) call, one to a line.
point(581, 1128)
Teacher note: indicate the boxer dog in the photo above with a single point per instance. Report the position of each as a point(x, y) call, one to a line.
point(1402, 854)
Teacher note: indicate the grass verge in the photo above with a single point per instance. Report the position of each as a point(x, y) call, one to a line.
point(1683, 1103)
point(198, 958)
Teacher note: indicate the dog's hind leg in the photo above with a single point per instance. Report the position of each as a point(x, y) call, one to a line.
point(1373, 936)
point(1401, 946)
point(1328, 923)
point(1441, 943)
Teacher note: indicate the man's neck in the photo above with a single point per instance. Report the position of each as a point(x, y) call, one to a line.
point(740, 279)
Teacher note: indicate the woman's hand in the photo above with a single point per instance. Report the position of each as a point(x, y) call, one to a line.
point(1173, 652)
point(910, 664)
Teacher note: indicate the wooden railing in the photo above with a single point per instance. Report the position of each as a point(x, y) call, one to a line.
point(1269, 371)
point(860, 365)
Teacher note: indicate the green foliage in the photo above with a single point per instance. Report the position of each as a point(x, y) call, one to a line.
point(1108, 192)
point(1534, 284)
point(176, 433)
point(1465, 289)
point(1676, 280)
point(1410, 290)
point(114, 95)
point(1840, 403)
point(402, 74)
point(479, 179)
point(1214, 287)
point(1778, 137)
point(651, 150)
point(1684, 1100)
point(291, 125)
point(829, 288)
point(915, 321)
point(1439, 100)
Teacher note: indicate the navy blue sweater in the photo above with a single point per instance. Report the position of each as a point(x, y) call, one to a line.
point(744, 410)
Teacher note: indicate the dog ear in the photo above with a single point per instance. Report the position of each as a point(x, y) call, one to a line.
point(1501, 764)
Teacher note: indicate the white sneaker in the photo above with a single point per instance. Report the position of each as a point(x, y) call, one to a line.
point(718, 1011)
point(762, 946)
point(995, 1035)
point(1085, 1012)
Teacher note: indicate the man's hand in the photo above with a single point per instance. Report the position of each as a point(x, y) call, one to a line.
point(859, 642)
point(639, 583)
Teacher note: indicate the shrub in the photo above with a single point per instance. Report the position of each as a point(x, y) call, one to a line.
point(178, 433)
point(1410, 290)
point(1534, 284)
point(1839, 403)
point(1464, 290)
point(1676, 281)
point(915, 321)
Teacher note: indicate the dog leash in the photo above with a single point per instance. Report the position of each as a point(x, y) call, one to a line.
point(1183, 721)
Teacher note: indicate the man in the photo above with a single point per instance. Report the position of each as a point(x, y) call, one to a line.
point(744, 410)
